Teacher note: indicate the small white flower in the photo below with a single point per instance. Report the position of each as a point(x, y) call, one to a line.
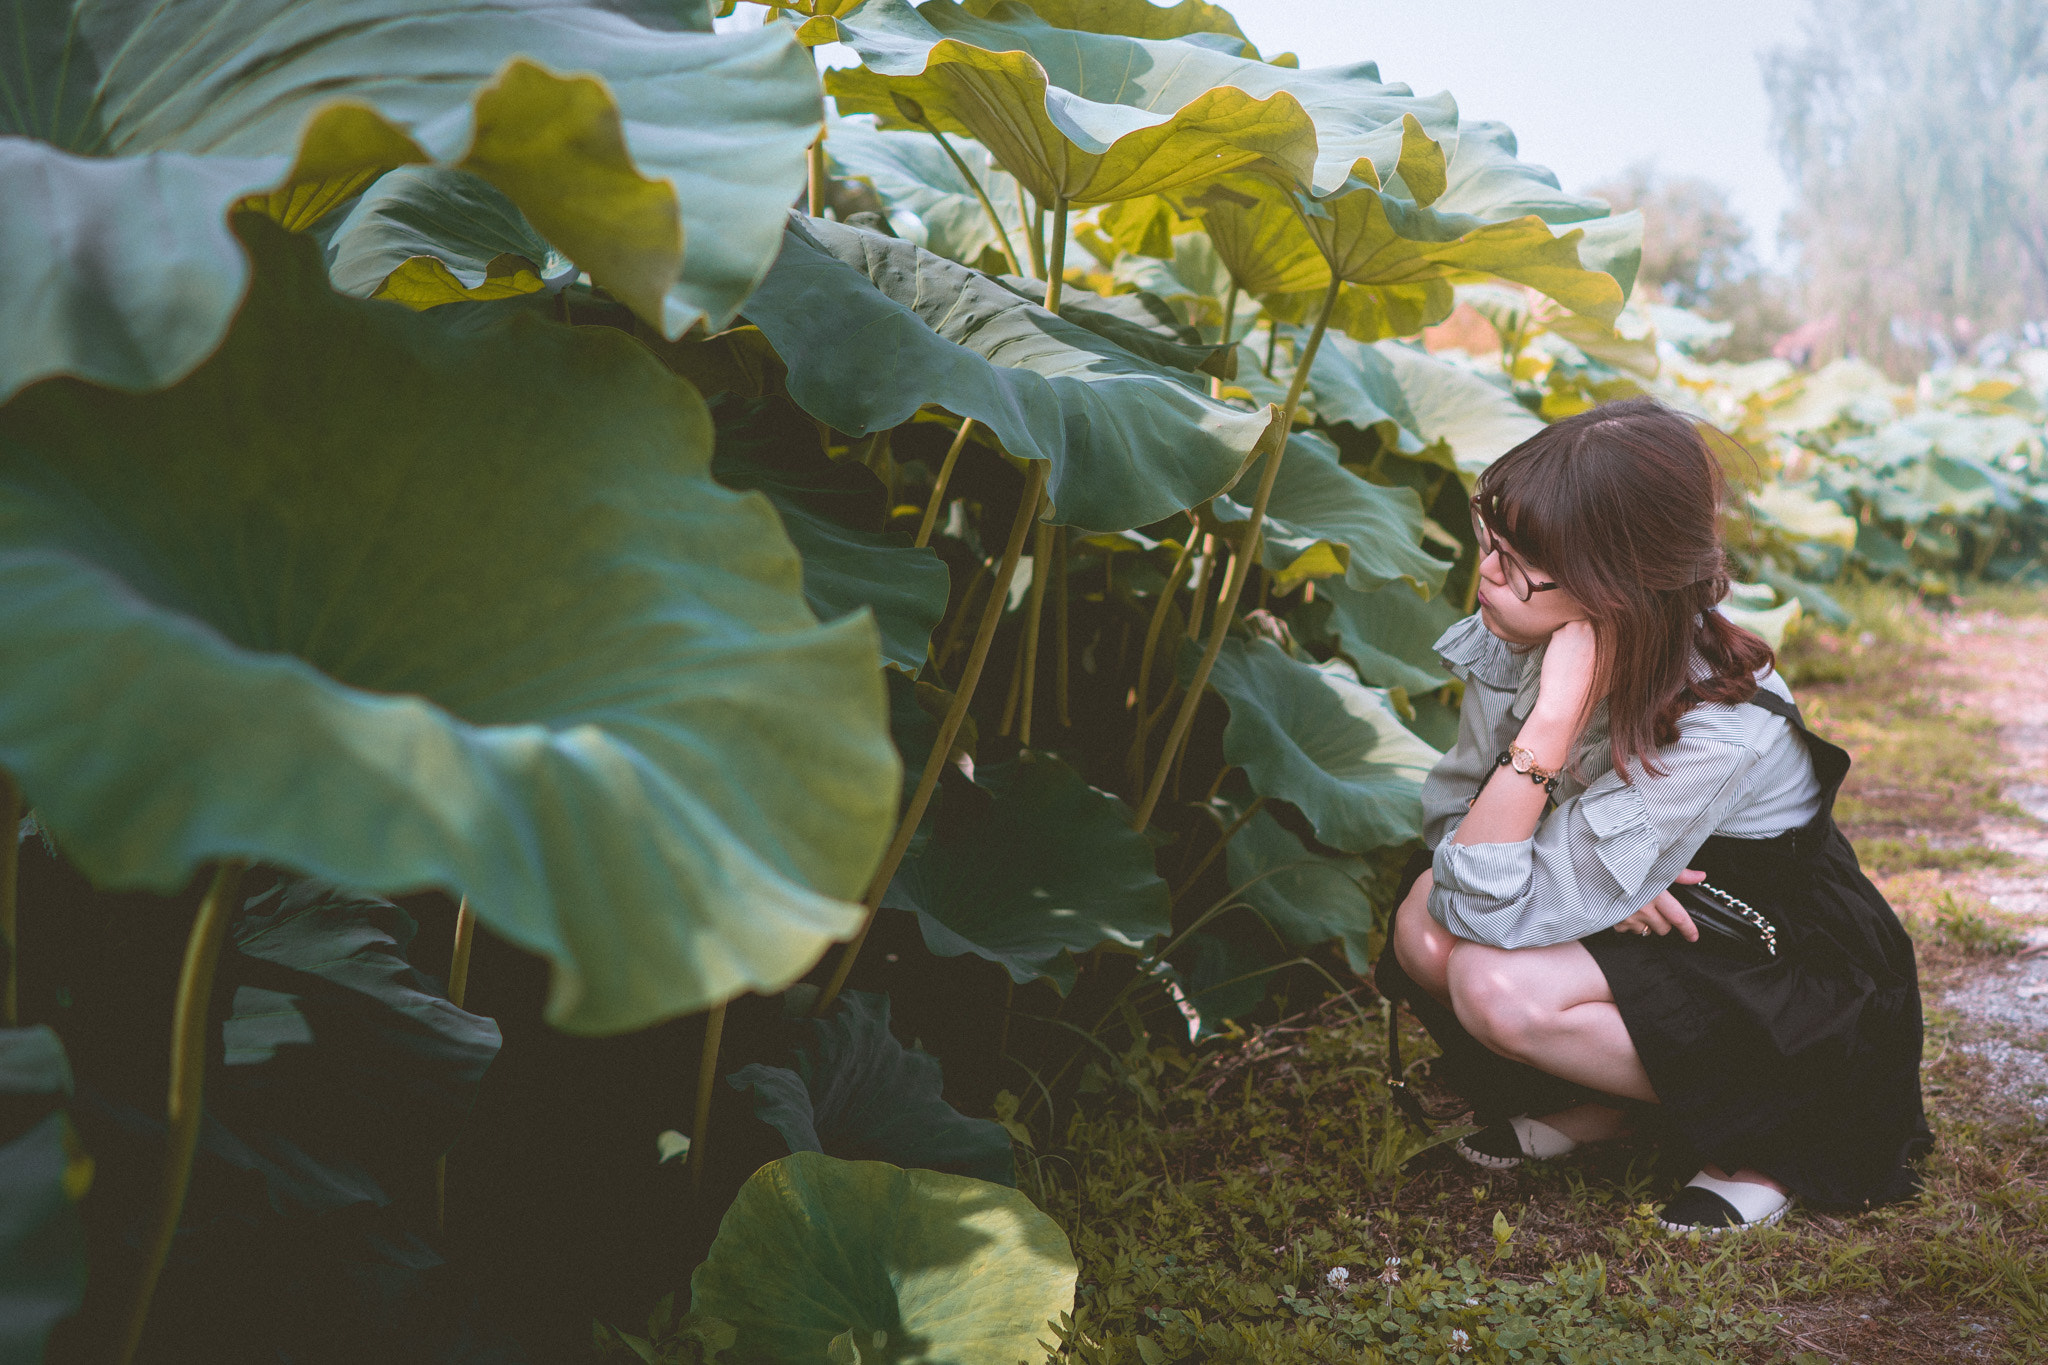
point(1460, 1343)
point(1338, 1278)
point(1392, 1274)
point(1471, 1303)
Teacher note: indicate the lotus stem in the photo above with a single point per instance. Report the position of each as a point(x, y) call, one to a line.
point(707, 1074)
point(1200, 604)
point(1153, 628)
point(1059, 578)
point(938, 498)
point(981, 193)
point(969, 606)
point(1035, 239)
point(10, 871)
point(949, 728)
point(1034, 613)
point(1016, 687)
point(458, 987)
point(1229, 322)
point(1272, 343)
point(1056, 268)
point(1240, 567)
point(1207, 858)
point(189, 1017)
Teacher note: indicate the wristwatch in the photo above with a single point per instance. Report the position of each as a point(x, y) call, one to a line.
point(1524, 762)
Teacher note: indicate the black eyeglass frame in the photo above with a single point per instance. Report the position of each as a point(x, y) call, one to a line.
point(1512, 568)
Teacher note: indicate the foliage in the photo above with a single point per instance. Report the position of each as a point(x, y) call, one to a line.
point(43, 1175)
point(822, 1259)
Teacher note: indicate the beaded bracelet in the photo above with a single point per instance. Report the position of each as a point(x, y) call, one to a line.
point(1547, 781)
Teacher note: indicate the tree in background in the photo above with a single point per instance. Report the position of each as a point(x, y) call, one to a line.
point(1916, 134)
point(1696, 254)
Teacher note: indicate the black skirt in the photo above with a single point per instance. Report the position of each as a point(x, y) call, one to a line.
point(1805, 1067)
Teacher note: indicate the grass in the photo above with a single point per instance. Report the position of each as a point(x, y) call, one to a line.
point(1214, 1198)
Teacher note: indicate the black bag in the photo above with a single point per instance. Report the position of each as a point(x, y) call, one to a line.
point(1728, 924)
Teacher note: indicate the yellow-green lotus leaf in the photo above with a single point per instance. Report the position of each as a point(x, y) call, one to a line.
point(1097, 117)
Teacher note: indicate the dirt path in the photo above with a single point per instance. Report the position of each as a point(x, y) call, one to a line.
point(1998, 666)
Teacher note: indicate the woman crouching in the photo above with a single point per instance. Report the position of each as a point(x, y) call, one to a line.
point(1550, 953)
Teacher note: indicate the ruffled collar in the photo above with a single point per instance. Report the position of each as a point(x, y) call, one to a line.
point(1476, 654)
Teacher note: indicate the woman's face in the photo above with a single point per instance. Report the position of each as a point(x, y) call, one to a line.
point(1529, 623)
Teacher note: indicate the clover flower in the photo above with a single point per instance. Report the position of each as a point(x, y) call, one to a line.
point(1338, 1278)
point(1460, 1343)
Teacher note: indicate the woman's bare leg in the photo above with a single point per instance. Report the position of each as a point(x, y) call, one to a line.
point(1550, 1008)
point(1421, 945)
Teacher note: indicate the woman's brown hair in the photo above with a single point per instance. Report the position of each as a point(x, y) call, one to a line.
point(1620, 505)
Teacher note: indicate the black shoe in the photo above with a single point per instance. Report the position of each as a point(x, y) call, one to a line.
point(1710, 1206)
point(1496, 1147)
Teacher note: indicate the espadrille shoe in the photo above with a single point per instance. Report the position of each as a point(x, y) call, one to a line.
point(1504, 1146)
point(1712, 1206)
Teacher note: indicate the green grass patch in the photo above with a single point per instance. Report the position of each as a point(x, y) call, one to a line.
point(1882, 857)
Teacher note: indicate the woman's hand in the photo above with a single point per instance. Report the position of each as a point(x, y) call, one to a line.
point(1664, 914)
point(1570, 663)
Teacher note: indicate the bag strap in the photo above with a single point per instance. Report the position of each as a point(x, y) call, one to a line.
point(1777, 706)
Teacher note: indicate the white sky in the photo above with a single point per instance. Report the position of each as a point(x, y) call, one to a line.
point(1589, 86)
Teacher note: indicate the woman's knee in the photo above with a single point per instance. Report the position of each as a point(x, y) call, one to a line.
point(1491, 1005)
point(1421, 945)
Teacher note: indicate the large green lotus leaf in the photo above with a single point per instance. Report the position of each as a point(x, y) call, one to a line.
point(1388, 635)
point(1136, 19)
point(835, 513)
point(907, 1267)
point(873, 328)
point(1141, 323)
point(912, 174)
point(1373, 533)
point(1307, 898)
point(1099, 117)
point(857, 1093)
point(440, 599)
point(1028, 865)
point(418, 217)
point(43, 1175)
point(1314, 736)
point(1479, 421)
point(1353, 384)
point(128, 131)
point(1194, 282)
point(1400, 257)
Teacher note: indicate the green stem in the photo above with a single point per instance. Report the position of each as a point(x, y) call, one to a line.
point(949, 727)
point(1059, 621)
point(1241, 562)
point(1034, 612)
point(1272, 343)
point(10, 869)
point(189, 1018)
point(1056, 269)
point(938, 498)
point(1035, 239)
point(458, 988)
point(1198, 606)
point(1229, 322)
point(1207, 858)
point(707, 1074)
point(1153, 629)
point(981, 193)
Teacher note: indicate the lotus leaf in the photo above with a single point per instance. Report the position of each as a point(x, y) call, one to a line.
point(1316, 737)
point(835, 514)
point(911, 174)
point(1135, 19)
point(422, 223)
point(1457, 407)
point(1354, 383)
point(127, 132)
point(1193, 281)
point(1375, 532)
point(43, 1175)
point(1141, 323)
point(1096, 117)
point(440, 599)
point(873, 328)
point(858, 1094)
point(908, 1267)
point(1306, 898)
point(335, 1038)
point(1027, 865)
point(1388, 635)
point(1224, 978)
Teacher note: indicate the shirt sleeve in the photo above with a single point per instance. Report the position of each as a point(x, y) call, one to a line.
point(1491, 673)
point(1600, 856)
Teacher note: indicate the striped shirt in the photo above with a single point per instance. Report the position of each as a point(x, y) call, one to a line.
point(1609, 846)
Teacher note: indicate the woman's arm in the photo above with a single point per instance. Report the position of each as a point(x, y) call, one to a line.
point(1510, 806)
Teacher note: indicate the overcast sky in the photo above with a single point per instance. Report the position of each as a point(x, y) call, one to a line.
point(1589, 86)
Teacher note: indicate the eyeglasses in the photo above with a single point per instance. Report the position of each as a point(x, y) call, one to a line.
point(1511, 566)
